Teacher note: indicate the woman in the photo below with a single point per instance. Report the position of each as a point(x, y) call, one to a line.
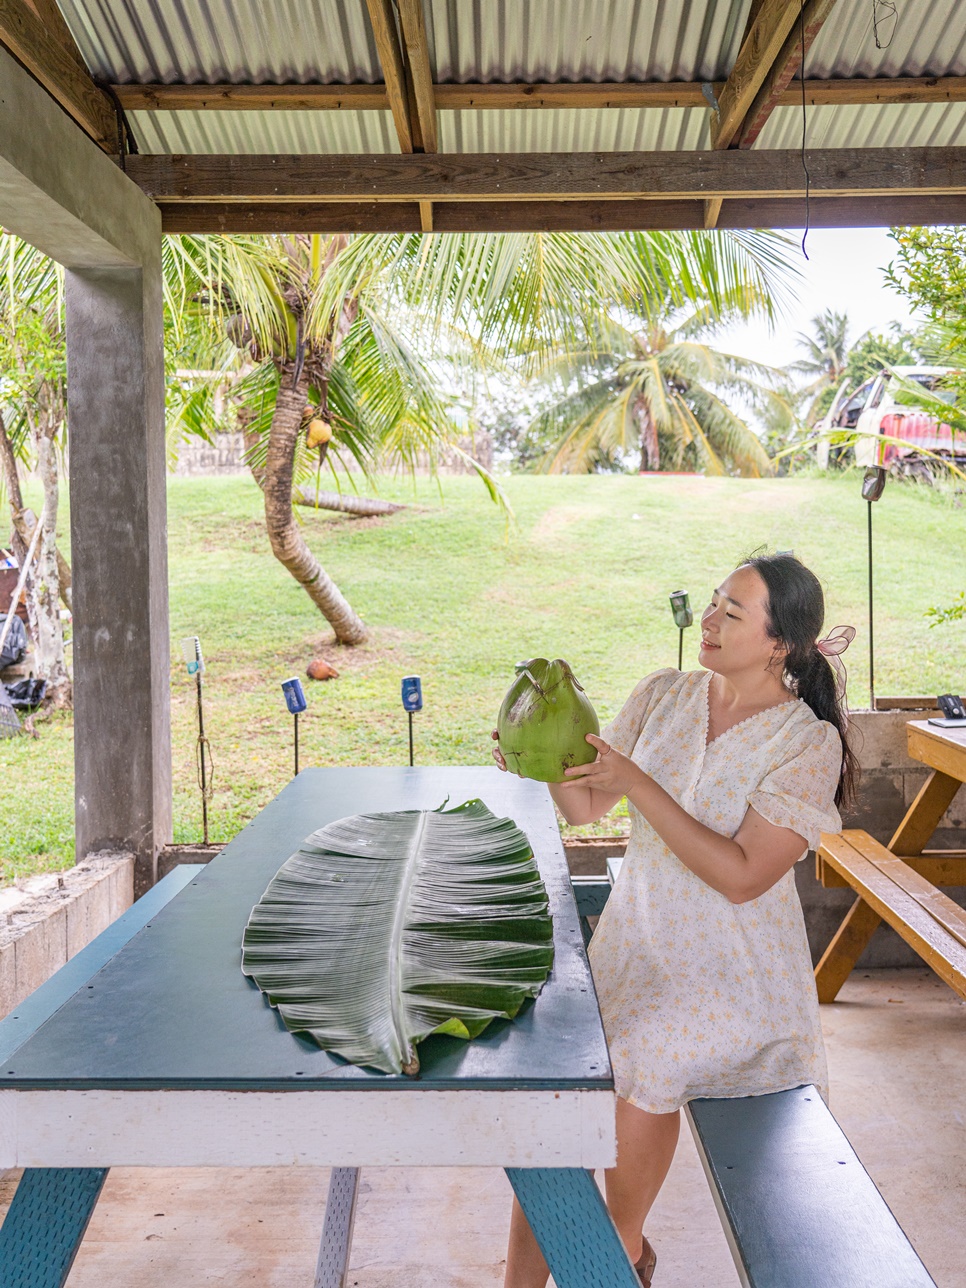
point(700, 958)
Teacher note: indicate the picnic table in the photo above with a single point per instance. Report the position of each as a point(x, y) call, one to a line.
point(159, 1052)
point(899, 883)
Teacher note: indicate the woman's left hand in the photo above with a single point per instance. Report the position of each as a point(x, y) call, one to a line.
point(610, 772)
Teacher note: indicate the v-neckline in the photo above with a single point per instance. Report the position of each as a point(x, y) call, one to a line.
point(710, 742)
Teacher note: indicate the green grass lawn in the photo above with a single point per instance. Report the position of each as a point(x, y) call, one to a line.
point(452, 594)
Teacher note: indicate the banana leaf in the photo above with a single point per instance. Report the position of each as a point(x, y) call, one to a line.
point(384, 928)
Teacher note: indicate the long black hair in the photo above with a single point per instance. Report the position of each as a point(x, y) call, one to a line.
point(796, 612)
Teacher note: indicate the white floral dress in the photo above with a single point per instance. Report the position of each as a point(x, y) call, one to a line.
point(700, 996)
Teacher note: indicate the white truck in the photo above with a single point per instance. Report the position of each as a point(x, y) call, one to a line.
point(873, 412)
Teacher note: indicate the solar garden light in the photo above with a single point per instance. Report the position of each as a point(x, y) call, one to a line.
point(412, 700)
point(683, 618)
point(873, 485)
point(191, 648)
point(295, 701)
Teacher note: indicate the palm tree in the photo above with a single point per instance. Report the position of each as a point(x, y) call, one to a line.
point(828, 350)
point(335, 327)
point(654, 392)
point(333, 332)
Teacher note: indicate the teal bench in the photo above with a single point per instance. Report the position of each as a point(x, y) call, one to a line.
point(797, 1207)
point(50, 1211)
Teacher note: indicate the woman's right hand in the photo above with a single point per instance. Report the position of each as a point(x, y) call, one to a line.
point(497, 753)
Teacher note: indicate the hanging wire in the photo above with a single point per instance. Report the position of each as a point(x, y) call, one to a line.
point(808, 180)
point(885, 17)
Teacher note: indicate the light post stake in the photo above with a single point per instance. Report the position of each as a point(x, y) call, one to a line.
point(873, 485)
point(295, 701)
point(683, 618)
point(412, 700)
point(191, 651)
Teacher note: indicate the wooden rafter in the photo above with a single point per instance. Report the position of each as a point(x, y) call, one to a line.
point(48, 51)
point(789, 63)
point(383, 19)
point(459, 98)
point(422, 102)
point(762, 71)
point(555, 216)
point(416, 58)
point(409, 79)
point(762, 45)
point(600, 176)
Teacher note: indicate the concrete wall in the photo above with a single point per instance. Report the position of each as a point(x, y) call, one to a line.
point(890, 782)
point(57, 916)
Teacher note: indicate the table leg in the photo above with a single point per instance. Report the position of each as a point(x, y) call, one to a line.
point(569, 1218)
point(838, 960)
point(45, 1224)
point(340, 1215)
point(922, 818)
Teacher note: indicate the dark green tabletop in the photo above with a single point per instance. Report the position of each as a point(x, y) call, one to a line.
point(173, 1010)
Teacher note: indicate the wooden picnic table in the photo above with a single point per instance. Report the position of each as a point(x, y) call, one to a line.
point(159, 1052)
point(899, 883)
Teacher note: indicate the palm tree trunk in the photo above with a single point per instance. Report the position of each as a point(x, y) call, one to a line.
point(650, 452)
point(51, 664)
point(360, 506)
point(288, 545)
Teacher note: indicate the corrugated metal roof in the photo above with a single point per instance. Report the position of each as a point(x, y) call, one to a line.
point(249, 41)
point(264, 132)
point(928, 38)
point(214, 41)
point(609, 130)
point(875, 125)
point(584, 40)
point(605, 130)
point(330, 41)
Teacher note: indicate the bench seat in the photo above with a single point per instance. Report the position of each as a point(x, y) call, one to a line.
point(798, 1208)
point(889, 889)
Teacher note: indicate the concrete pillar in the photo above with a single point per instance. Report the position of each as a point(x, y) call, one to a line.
point(64, 195)
point(115, 391)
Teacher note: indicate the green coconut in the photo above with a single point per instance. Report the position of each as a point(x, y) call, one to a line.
point(544, 720)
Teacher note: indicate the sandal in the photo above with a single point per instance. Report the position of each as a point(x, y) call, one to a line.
point(645, 1265)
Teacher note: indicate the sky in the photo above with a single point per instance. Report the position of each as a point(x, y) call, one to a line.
point(843, 272)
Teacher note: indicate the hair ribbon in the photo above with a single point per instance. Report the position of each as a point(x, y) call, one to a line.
point(832, 647)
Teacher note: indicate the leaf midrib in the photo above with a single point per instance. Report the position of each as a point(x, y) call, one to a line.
point(400, 919)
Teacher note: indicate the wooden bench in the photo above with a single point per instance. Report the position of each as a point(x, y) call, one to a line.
point(900, 891)
point(797, 1207)
point(51, 1209)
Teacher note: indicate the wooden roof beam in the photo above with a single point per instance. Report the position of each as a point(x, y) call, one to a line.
point(383, 19)
point(409, 80)
point(422, 102)
point(789, 63)
point(765, 39)
point(44, 46)
point(499, 97)
point(762, 71)
point(556, 216)
point(601, 176)
point(416, 58)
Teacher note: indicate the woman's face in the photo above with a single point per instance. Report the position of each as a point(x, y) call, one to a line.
point(734, 626)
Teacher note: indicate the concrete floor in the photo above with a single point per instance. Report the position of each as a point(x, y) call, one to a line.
point(897, 1051)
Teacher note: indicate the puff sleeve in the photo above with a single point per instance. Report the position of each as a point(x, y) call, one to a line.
point(800, 792)
point(624, 730)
